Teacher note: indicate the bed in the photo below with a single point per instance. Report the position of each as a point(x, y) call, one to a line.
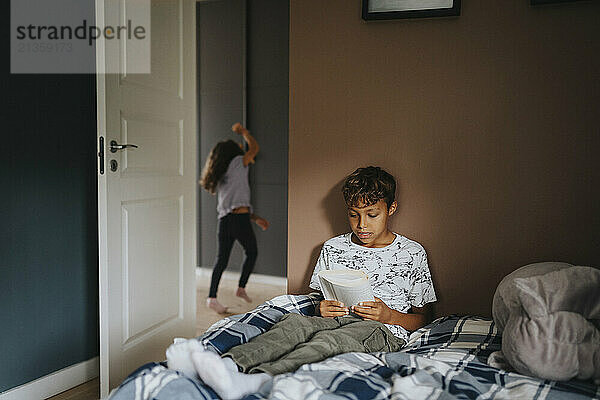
point(443, 360)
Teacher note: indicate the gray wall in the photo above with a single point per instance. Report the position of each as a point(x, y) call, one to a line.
point(243, 72)
point(268, 91)
point(48, 228)
point(221, 39)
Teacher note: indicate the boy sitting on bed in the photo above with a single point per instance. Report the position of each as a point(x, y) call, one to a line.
point(397, 270)
point(396, 266)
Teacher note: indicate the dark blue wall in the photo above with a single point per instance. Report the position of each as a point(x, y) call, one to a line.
point(48, 222)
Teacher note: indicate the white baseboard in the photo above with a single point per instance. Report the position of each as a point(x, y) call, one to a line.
point(56, 382)
point(206, 273)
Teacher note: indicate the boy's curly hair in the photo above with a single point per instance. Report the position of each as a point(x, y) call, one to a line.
point(367, 186)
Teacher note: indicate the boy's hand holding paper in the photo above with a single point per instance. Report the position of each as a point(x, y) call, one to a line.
point(376, 310)
point(332, 308)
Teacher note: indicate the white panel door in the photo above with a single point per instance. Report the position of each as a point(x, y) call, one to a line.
point(147, 206)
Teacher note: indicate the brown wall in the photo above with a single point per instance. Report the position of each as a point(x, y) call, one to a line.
point(489, 121)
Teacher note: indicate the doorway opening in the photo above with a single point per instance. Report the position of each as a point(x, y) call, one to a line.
point(242, 76)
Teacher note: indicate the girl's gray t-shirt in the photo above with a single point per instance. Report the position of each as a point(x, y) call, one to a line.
point(233, 190)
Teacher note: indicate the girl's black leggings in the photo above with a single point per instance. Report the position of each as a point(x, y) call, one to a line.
point(234, 227)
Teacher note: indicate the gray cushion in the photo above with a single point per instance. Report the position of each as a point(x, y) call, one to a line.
point(505, 295)
point(548, 313)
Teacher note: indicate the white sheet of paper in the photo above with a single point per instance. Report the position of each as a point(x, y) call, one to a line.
point(348, 286)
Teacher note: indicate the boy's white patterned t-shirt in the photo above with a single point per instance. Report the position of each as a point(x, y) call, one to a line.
point(398, 273)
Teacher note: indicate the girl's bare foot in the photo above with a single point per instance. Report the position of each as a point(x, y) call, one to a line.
point(212, 303)
point(241, 292)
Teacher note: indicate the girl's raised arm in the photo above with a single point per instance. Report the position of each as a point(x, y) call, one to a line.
point(253, 146)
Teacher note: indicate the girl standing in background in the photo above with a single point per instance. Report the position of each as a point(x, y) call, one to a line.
point(225, 173)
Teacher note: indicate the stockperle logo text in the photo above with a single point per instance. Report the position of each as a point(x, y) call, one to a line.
point(84, 31)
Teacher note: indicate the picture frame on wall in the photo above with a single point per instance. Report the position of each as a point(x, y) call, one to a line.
point(397, 9)
point(538, 2)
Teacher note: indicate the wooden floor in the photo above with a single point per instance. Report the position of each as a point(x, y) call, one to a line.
point(205, 317)
point(258, 292)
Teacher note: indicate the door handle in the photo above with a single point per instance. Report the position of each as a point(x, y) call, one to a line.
point(101, 155)
point(114, 146)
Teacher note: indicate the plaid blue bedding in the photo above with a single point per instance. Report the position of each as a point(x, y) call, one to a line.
point(444, 360)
